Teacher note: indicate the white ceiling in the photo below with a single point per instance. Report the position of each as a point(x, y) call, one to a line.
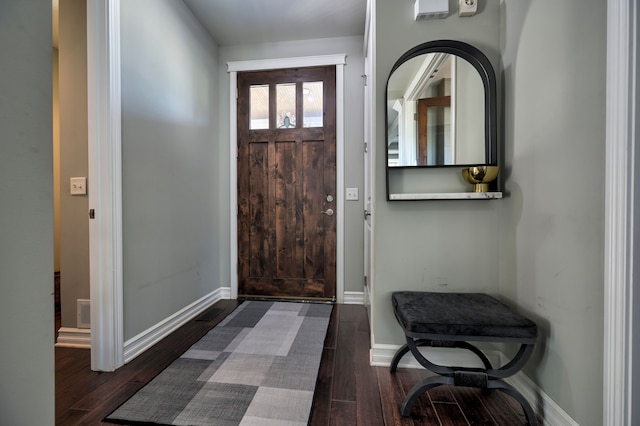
point(235, 22)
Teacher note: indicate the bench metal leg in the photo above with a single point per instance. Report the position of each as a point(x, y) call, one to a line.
point(502, 386)
point(398, 356)
point(487, 378)
point(435, 381)
point(413, 344)
point(421, 388)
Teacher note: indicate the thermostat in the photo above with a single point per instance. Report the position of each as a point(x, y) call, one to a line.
point(429, 9)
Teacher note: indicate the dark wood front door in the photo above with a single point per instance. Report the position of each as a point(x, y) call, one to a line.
point(432, 144)
point(287, 183)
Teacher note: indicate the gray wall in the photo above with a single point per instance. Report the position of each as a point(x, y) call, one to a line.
point(541, 248)
point(74, 220)
point(26, 214)
point(173, 239)
point(551, 227)
point(354, 131)
point(429, 245)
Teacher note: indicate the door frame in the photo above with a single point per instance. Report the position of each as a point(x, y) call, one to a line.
point(369, 100)
point(621, 381)
point(105, 184)
point(339, 60)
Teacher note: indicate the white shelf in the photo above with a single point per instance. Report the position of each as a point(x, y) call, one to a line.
point(448, 196)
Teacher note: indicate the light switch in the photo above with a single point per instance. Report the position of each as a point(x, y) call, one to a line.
point(78, 185)
point(352, 194)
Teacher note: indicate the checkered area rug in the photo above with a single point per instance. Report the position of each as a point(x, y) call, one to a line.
point(257, 367)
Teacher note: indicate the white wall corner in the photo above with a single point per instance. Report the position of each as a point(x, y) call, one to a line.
point(545, 407)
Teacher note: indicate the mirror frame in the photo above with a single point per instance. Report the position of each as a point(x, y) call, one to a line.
point(481, 63)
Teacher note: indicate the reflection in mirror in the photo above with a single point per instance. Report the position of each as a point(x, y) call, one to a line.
point(435, 112)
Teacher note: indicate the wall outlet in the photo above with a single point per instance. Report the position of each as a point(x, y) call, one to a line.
point(78, 186)
point(352, 194)
point(467, 7)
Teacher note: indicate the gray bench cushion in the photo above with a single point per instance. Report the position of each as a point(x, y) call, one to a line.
point(460, 314)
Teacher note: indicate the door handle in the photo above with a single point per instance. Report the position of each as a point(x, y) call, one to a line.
point(367, 213)
point(328, 212)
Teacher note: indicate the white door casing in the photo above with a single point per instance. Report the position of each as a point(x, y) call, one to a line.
point(369, 151)
point(270, 64)
point(105, 184)
point(621, 314)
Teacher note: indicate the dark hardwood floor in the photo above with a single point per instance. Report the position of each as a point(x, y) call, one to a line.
point(349, 391)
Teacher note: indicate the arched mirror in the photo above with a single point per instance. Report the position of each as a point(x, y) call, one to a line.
point(441, 107)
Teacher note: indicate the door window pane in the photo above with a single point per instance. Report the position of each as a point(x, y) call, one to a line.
point(259, 107)
point(286, 105)
point(312, 104)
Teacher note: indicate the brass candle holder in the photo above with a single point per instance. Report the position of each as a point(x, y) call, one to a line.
point(480, 176)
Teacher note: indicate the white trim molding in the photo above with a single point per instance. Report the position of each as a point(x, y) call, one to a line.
point(545, 407)
point(339, 60)
point(620, 176)
point(298, 62)
point(353, 298)
point(143, 341)
point(105, 183)
point(69, 337)
point(371, 126)
point(233, 182)
point(381, 356)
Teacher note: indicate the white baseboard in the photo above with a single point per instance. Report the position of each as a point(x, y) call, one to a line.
point(143, 341)
point(353, 298)
point(545, 407)
point(381, 356)
point(69, 337)
point(225, 293)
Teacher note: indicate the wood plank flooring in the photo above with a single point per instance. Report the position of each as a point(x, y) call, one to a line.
point(349, 391)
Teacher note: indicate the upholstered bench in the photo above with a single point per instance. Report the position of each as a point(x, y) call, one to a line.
point(453, 320)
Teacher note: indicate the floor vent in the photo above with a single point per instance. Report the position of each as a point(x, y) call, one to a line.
point(84, 313)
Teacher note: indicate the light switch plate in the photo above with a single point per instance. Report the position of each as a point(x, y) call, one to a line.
point(78, 186)
point(352, 194)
